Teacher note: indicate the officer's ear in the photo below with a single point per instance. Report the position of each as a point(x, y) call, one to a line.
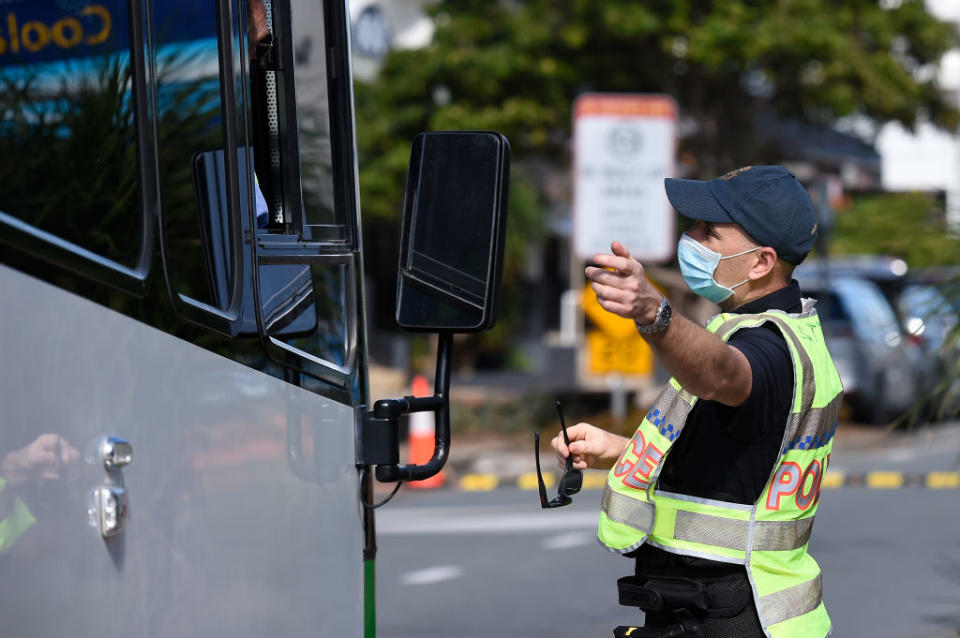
point(766, 262)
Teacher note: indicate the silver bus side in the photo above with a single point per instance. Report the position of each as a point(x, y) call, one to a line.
point(222, 536)
point(243, 515)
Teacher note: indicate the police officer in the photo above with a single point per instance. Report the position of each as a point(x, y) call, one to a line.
point(715, 493)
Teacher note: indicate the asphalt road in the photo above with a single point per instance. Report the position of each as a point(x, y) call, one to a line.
point(481, 564)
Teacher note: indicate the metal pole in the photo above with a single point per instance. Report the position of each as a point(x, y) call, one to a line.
point(618, 397)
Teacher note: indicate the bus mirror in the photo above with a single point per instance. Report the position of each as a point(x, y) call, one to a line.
point(451, 260)
point(453, 232)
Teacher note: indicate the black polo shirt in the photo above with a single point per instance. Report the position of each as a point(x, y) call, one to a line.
point(727, 453)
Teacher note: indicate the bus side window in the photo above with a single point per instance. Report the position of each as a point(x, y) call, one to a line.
point(189, 127)
point(290, 120)
point(310, 222)
point(326, 349)
point(323, 161)
point(69, 155)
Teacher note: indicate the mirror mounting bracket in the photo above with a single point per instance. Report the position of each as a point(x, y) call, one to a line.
point(379, 435)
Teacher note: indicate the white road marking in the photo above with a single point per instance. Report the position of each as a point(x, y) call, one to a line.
point(903, 455)
point(566, 541)
point(432, 575)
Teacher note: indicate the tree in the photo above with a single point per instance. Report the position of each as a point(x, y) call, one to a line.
point(516, 67)
point(911, 226)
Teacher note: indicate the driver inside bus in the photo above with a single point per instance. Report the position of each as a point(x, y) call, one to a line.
point(258, 32)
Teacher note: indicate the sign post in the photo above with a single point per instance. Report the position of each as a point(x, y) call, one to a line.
point(624, 147)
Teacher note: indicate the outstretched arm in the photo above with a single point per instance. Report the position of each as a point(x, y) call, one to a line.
point(702, 363)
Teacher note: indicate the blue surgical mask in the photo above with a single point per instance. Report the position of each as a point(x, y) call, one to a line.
point(697, 265)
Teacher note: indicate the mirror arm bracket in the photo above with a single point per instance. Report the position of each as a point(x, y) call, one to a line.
point(379, 436)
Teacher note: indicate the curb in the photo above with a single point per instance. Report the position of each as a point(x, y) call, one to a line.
point(595, 480)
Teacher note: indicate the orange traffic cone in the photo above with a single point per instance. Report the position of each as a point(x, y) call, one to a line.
point(422, 434)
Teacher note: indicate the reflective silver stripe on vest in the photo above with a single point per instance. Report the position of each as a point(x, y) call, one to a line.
point(669, 412)
point(728, 327)
point(808, 388)
point(791, 602)
point(731, 533)
point(814, 428)
point(775, 536)
point(707, 529)
point(627, 511)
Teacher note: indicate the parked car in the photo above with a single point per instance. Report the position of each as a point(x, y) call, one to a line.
point(878, 366)
point(927, 315)
point(931, 319)
point(894, 279)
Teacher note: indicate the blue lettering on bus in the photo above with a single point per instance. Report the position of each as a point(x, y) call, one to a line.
point(35, 31)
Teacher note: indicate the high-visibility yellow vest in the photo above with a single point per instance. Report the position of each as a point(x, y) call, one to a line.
point(14, 522)
point(769, 537)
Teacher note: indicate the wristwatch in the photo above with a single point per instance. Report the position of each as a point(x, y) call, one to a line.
point(660, 322)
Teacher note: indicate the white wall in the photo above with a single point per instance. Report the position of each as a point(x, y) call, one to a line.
point(927, 159)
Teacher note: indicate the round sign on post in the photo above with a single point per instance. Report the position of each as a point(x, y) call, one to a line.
point(624, 147)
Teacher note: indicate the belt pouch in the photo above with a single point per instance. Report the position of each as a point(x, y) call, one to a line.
point(634, 594)
point(663, 593)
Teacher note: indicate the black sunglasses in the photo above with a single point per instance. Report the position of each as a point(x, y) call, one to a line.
point(570, 481)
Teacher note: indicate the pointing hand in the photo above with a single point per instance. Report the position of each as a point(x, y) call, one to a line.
point(621, 285)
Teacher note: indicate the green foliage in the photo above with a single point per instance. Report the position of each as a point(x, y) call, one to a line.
point(503, 417)
point(517, 66)
point(80, 131)
point(907, 225)
point(517, 417)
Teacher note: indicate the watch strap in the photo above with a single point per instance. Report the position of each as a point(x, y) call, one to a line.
point(660, 322)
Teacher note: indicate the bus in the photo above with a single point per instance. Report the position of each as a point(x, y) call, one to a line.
point(187, 442)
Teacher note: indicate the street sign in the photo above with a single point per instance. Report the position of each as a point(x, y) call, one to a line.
point(609, 323)
point(610, 355)
point(624, 147)
point(613, 344)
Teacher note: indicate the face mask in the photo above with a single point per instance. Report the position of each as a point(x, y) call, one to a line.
point(697, 265)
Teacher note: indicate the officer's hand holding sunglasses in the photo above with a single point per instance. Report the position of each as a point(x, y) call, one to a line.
point(570, 481)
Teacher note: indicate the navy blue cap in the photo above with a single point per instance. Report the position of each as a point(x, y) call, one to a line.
point(768, 202)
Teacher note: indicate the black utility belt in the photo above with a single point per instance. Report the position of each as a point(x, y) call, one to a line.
point(709, 598)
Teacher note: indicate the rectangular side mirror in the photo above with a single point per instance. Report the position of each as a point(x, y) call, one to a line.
point(454, 230)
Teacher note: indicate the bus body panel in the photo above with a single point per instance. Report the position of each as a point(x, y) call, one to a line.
point(243, 515)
